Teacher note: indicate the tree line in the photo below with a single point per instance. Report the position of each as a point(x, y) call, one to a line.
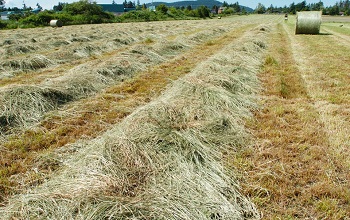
point(87, 12)
point(341, 7)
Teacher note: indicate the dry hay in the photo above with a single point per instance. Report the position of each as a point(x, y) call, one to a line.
point(62, 47)
point(87, 50)
point(29, 63)
point(4, 73)
point(162, 161)
point(204, 36)
point(19, 49)
point(170, 48)
point(308, 22)
point(24, 104)
point(56, 23)
point(80, 81)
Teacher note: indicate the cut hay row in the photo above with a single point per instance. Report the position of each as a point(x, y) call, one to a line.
point(162, 161)
point(20, 56)
point(66, 47)
point(25, 104)
point(28, 63)
point(91, 116)
point(90, 77)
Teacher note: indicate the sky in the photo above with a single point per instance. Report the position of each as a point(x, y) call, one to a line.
point(48, 4)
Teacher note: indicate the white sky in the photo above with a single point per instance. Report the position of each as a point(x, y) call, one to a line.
point(48, 4)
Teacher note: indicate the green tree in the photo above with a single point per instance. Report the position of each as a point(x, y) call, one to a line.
point(203, 11)
point(334, 10)
point(83, 7)
point(316, 6)
point(85, 12)
point(162, 8)
point(225, 4)
point(216, 8)
point(347, 12)
point(236, 7)
point(301, 6)
point(228, 11)
point(39, 6)
point(260, 9)
point(40, 19)
point(59, 7)
point(15, 16)
point(292, 8)
point(129, 4)
point(270, 9)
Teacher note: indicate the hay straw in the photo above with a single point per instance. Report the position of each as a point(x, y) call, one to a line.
point(162, 161)
point(33, 62)
point(24, 104)
point(308, 22)
point(79, 82)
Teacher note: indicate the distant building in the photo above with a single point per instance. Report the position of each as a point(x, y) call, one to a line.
point(152, 8)
point(4, 15)
point(129, 9)
point(116, 9)
point(221, 10)
point(36, 11)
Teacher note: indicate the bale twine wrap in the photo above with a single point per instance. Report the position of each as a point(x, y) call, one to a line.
point(56, 23)
point(308, 22)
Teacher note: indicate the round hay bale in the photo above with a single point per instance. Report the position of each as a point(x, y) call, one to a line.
point(56, 23)
point(308, 22)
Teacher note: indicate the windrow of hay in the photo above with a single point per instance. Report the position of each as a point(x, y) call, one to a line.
point(29, 63)
point(308, 22)
point(96, 74)
point(25, 104)
point(79, 82)
point(164, 160)
point(67, 44)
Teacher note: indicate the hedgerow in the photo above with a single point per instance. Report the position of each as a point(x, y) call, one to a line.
point(84, 12)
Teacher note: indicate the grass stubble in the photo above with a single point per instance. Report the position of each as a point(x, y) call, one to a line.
point(298, 166)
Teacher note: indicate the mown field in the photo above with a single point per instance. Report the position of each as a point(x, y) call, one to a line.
point(233, 118)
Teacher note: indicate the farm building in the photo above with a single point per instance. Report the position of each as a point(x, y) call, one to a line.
point(36, 10)
point(152, 8)
point(221, 10)
point(116, 9)
point(4, 15)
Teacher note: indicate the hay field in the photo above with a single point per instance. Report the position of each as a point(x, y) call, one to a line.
point(236, 118)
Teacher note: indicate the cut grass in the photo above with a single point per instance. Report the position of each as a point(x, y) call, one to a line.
point(164, 160)
point(92, 116)
point(291, 170)
point(96, 73)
